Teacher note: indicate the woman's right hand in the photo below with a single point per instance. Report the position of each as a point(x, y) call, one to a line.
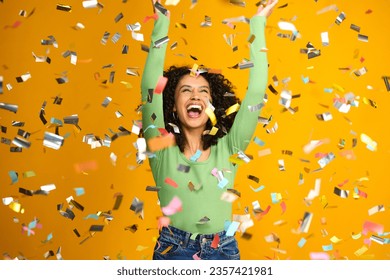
point(266, 10)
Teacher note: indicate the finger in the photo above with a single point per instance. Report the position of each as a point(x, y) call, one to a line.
point(272, 3)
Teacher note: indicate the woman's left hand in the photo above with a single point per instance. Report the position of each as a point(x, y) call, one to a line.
point(266, 10)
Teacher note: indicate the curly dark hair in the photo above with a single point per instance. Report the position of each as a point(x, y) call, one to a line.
point(222, 94)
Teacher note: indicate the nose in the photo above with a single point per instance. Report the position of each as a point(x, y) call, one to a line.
point(195, 95)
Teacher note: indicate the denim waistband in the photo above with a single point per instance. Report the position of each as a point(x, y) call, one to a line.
point(184, 237)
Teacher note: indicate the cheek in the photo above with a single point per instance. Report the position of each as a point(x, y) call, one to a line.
point(179, 102)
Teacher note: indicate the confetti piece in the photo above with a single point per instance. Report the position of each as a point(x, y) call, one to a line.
point(372, 227)
point(174, 206)
point(360, 193)
point(272, 238)
point(326, 159)
point(161, 142)
point(211, 116)
point(118, 200)
point(387, 83)
point(275, 197)
point(232, 109)
point(325, 38)
point(340, 18)
point(65, 8)
point(170, 182)
point(196, 156)
point(302, 242)
point(311, 51)
point(313, 193)
point(281, 165)
point(137, 206)
point(215, 242)
point(335, 239)
point(363, 38)
point(319, 256)
point(361, 251)
point(9, 107)
point(376, 209)
point(7, 200)
point(356, 236)
point(106, 101)
point(14, 25)
point(306, 221)
point(232, 228)
point(285, 98)
point(283, 206)
point(152, 188)
point(161, 83)
point(95, 228)
point(14, 176)
point(183, 168)
point(370, 102)
point(264, 152)
point(79, 26)
point(284, 25)
point(327, 116)
point(48, 238)
point(273, 129)
point(83, 167)
point(79, 191)
point(371, 144)
point(53, 141)
point(228, 197)
point(258, 141)
point(341, 193)
point(257, 189)
point(201, 221)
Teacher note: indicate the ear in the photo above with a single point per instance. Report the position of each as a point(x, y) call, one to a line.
point(174, 108)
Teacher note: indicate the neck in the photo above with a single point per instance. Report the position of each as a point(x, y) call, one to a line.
point(193, 140)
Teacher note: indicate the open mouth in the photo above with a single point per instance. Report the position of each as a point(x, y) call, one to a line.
point(194, 110)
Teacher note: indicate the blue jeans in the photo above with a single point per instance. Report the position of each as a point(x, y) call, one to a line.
point(183, 247)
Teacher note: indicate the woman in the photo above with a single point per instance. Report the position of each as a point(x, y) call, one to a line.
point(198, 107)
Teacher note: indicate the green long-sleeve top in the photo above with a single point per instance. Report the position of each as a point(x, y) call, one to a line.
point(203, 211)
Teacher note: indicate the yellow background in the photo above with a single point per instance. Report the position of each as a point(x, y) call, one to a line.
point(87, 89)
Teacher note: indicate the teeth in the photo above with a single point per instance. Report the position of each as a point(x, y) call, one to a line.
point(193, 106)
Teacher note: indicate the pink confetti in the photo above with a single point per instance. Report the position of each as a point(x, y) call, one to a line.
point(173, 207)
point(195, 257)
point(367, 241)
point(319, 256)
point(370, 226)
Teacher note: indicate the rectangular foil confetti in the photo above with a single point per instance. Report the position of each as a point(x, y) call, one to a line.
point(53, 141)
point(65, 8)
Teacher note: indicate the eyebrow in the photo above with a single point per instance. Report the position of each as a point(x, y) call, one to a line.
point(207, 87)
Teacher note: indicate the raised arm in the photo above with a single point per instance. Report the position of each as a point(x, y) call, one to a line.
point(247, 117)
point(152, 109)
